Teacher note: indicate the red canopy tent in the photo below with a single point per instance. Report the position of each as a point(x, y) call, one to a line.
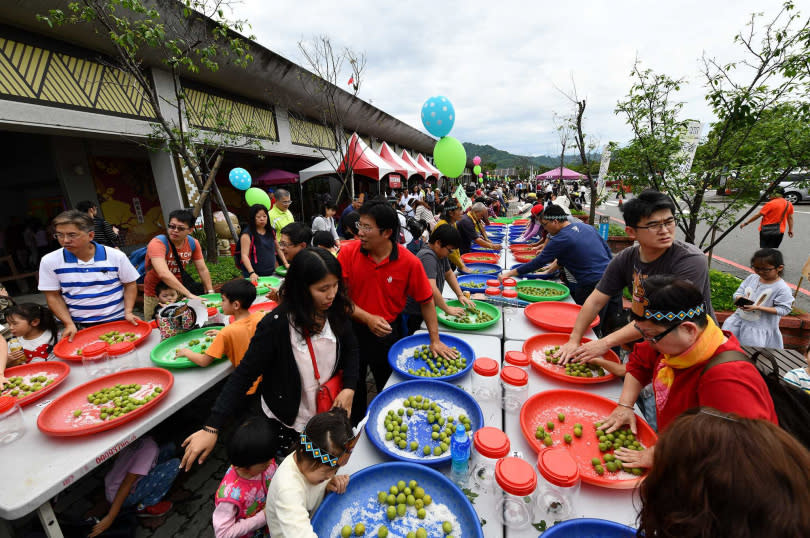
point(400, 166)
point(276, 177)
point(362, 160)
point(422, 171)
point(433, 171)
point(555, 174)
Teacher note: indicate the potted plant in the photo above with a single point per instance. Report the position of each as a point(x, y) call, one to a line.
point(618, 239)
point(795, 327)
point(581, 215)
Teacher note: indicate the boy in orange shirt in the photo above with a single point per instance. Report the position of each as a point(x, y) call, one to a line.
point(233, 340)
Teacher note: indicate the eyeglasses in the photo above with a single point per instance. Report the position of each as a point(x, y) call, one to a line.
point(177, 228)
point(658, 337)
point(71, 236)
point(284, 202)
point(360, 227)
point(763, 269)
point(284, 244)
point(656, 226)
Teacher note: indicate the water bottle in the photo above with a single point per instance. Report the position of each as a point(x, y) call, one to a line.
point(460, 455)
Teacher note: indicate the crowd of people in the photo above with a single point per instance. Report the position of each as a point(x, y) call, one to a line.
point(359, 280)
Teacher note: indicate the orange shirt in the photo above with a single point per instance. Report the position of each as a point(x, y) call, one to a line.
point(233, 341)
point(773, 211)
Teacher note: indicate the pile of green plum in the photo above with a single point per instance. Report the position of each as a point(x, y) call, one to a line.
point(472, 316)
point(538, 291)
point(114, 337)
point(396, 426)
point(121, 398)
point(17, 386)
point(203, 344)
point(622, 438)
point(574, 369)
point(475, 285)
point(397, 500)
point(437, 366)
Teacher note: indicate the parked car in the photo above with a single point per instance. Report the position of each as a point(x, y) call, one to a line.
point(797, 189)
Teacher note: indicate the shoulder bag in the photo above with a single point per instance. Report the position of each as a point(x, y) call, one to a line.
point(327, 392)
point(775, 228)
point(190, 284)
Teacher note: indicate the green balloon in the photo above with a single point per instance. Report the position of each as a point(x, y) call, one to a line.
point(480, 180)
point(450, 156)
point(476, 169)
point(255, 196)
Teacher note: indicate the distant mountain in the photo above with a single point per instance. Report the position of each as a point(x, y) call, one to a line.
point(504, 159)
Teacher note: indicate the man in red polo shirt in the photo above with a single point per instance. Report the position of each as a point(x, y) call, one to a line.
point(380, 275)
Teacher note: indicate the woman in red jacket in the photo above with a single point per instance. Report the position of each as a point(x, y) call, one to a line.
point(679, 340)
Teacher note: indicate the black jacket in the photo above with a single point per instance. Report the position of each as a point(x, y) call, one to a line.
point(270, 355)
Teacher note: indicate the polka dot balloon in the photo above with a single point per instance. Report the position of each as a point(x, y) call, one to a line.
point(438, 116)
point(240, 178)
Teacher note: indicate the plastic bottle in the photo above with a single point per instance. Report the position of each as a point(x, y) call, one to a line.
point(460, 455)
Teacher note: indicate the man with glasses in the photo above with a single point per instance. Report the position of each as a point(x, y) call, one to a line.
point(650, 220)
point(380, 275)
point(163, 265)
point(280, 215)
point(86, 283)
point(580, 249)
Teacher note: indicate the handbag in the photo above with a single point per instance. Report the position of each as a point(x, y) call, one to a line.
point(775, 228)
point(327, 392)
point(190, 284)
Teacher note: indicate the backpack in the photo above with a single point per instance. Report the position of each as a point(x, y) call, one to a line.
point(138, 260)
point(791, 403)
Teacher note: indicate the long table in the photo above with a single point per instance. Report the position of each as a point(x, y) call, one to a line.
point(366, 455)
point(37, 466)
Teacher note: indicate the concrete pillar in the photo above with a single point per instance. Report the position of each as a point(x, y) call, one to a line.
point(72, 169)
point(166, 182)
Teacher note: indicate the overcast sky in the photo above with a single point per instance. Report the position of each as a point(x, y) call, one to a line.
point(499, 61)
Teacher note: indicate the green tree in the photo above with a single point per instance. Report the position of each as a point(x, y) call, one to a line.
point(191, 36)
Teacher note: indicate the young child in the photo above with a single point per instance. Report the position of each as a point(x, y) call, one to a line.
point(242, 493)
point(303, 479)
point(762, 299)
point(165, 294)
point(35, 332)
point(800, 377)
point(231, 341)
point(140, 477)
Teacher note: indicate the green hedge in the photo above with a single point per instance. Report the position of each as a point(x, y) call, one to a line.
point(221, 272)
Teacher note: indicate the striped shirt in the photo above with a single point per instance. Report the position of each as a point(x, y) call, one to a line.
point(93, 290)
point(799, 378)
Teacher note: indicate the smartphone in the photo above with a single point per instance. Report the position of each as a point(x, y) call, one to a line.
point(743, 301)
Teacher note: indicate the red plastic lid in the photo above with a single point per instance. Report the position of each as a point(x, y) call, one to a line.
point(517, 358)
point(509, 282)
point(514, 376)
point(515, 476)
point(120, 348)
point(212, 311)
point(494, 283)
point(6, 403)
point(509, 292)
point(493, 291)
point(491, 442)
point(558, 467)
point(94, 350)
point(485, 366)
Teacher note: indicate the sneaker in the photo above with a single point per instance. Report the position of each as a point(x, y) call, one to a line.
point(156, 510)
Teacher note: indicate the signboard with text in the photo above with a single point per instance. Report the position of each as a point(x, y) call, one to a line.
point(604, 225)
point(461, 196)
point(395, 181)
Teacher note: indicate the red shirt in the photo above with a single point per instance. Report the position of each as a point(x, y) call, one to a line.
point(383, 288)
point(731, 387)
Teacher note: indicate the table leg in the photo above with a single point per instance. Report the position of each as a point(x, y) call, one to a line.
point(6, 531)
point(48, 520)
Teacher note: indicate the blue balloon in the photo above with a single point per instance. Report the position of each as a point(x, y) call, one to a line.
point(438, 116)
point(240, 179)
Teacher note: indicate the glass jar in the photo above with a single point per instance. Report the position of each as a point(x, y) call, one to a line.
point(122, 356)
point(509, 282)
point(485, 379)
point(12, 426)
point(510, 293)
point(558, 491)
point(515, 386)
point(490, 445)
point(517, 358)
point(515, 509)
point(493, 283)
point(95, 360)
point(493, 291)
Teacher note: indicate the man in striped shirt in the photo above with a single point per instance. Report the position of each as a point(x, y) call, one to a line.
point(86, 283)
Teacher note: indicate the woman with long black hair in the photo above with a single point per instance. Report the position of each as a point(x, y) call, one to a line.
point(310, 326)
point(258, 245)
